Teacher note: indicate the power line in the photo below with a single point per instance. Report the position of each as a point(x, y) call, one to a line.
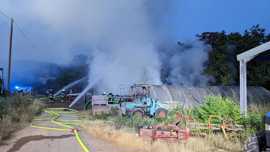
point(17, 27)
point(6, 18)
point(5, 15)
point(23, 34)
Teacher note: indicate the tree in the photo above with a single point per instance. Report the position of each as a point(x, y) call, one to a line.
point(77, 69)
point(222, 64)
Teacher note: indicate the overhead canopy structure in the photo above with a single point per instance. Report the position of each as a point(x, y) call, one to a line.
point(244, 58)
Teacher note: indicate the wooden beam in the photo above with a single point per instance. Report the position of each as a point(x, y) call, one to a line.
point(10, 55)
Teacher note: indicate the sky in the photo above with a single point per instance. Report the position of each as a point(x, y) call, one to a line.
point(181, 20)
point(195, 16)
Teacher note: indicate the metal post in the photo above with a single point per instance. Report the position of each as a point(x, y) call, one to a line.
point(243, 87)
point(10, 55)
point(244, 58)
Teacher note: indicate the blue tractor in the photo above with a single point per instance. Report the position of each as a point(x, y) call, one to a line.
point(261, 141)
point(145, 106)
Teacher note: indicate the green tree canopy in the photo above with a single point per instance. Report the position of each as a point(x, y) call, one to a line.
point(223, 65)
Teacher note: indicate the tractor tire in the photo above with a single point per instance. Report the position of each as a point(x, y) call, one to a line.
point(138, 113)
point(161, 113)
point(252, 144)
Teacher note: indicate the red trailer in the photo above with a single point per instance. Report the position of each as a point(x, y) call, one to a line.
point(171, 133)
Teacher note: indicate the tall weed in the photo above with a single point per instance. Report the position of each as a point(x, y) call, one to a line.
point(16, 111)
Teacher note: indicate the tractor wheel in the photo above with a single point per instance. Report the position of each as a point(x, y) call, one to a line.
point(252, 144)
point(161, 113)
point(138, 114)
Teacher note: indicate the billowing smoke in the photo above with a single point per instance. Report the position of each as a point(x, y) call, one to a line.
point(120, 36)
point(185, 63)
point(124, 66)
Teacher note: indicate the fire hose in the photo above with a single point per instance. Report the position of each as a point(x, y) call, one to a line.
point(66, 125)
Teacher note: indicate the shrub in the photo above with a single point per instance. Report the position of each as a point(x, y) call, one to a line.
point(3, 108)
point(6, 127)
point(15, 111)
point(224, 108)
point(253, 123)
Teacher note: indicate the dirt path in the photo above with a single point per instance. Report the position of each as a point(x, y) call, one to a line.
point(32, 139)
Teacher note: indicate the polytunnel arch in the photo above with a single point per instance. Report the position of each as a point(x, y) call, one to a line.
point(244, 58)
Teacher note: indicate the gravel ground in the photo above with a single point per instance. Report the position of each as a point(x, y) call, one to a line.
point(39, 140)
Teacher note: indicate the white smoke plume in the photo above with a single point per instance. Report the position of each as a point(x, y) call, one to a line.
point(119, 35)
point(186, 63)
point(125, 66)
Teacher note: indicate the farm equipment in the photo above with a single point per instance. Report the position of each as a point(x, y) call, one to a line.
point(145, 106)
point(100, 104)
point(61, 96)
point(260, 141)
point(215, 124)
point(171, 133)
point(118, 99)
point(64, 96)
point(140, 90)
point(106, 102)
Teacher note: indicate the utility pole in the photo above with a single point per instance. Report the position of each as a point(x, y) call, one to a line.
point(10, 54)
